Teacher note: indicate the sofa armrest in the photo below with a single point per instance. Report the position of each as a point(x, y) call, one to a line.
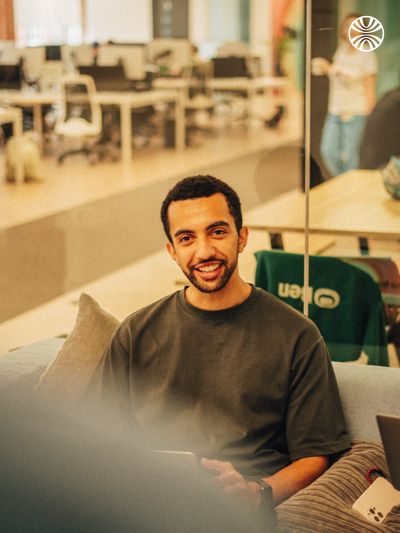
point(23, 366)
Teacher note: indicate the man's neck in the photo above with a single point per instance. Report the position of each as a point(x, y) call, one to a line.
point(234, 293)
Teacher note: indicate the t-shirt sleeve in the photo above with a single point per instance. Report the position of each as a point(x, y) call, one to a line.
point(315, 422)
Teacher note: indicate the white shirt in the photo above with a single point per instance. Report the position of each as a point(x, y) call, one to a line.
point(347, 90)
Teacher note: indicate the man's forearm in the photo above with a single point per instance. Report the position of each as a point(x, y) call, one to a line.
point(296, 476)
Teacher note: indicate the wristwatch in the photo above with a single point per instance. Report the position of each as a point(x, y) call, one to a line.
point(267, 500)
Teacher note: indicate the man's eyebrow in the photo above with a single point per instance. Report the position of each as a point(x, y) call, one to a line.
point(216, 224)
point(180, 231)
point(219, 223)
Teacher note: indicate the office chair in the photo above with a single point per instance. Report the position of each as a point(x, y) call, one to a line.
point(345, 302)
point(80, 116)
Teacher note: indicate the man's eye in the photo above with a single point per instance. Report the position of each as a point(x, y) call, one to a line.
point(219, 232)
point(185, 238)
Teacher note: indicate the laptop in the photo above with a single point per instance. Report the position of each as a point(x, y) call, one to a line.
point(389, 428)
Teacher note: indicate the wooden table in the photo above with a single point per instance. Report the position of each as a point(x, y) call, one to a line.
point(126, 101)
point(353, 204)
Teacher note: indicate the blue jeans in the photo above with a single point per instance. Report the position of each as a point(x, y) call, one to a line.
point(340, 142)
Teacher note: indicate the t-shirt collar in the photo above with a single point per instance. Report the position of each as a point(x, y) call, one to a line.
point(221, 314)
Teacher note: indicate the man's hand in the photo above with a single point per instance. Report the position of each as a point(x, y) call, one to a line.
point(232, 482)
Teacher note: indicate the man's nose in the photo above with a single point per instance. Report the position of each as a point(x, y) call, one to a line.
point(204, 249)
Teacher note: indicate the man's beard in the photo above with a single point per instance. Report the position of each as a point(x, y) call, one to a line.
point(219, 283)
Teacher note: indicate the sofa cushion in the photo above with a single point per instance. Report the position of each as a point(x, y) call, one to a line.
point(70, 372)
point(325, 505)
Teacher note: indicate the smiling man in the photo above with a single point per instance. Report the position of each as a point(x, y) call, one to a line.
point(222, 368)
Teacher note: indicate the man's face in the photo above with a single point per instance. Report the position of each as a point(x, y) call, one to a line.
point(205, 242)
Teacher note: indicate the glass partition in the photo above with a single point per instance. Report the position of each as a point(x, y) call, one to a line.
point(354, 283)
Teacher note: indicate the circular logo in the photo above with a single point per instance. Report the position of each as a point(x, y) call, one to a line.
point(366, 33)
point(326, 298)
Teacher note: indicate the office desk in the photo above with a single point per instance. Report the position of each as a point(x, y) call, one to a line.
point(30, 99)
point(127, 101)
point(175, 84)
point(251, 86)
point(353, 204)
point(12, 115)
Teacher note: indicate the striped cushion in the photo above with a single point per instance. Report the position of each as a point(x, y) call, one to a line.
point(325, 505)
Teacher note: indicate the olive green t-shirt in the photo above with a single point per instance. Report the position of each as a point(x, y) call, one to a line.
point(252, 384)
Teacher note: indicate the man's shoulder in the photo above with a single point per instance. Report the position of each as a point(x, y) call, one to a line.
point(163, 305)
point(284, 317)
point(272, 303)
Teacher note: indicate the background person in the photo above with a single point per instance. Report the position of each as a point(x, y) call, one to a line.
point(352, 83)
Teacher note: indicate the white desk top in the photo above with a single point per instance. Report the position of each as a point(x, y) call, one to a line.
point(26, 98)
point(264, 82)
point(136, 98)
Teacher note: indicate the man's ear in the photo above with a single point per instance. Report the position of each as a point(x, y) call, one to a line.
point(171, 251)
point(243, 236)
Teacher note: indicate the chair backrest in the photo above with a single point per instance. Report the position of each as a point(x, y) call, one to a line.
point(79, 100)
point(345, 302)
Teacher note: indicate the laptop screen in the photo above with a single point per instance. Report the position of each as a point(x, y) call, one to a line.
point(389, 428)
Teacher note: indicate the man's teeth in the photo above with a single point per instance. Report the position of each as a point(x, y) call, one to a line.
point(209, 268)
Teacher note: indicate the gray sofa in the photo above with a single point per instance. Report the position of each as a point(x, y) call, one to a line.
point(364, 390)
point(326, 504)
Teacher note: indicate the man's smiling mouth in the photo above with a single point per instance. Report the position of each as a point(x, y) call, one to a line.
point(210, 267)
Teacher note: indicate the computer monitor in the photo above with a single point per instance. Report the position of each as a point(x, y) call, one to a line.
point(10, 77)
point(132, 56)
point(53, 52)
point(230, 67)
point(107, 78)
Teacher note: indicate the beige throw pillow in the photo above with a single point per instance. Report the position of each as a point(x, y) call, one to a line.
point(71, 371)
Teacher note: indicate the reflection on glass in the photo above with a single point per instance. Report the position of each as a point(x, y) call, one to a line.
point(354, 137)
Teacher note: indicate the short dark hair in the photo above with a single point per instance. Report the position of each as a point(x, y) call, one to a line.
point(201, 187)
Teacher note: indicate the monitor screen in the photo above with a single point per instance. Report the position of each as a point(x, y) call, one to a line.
point(53, 52)
point(10, 77)
point(230, 67)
